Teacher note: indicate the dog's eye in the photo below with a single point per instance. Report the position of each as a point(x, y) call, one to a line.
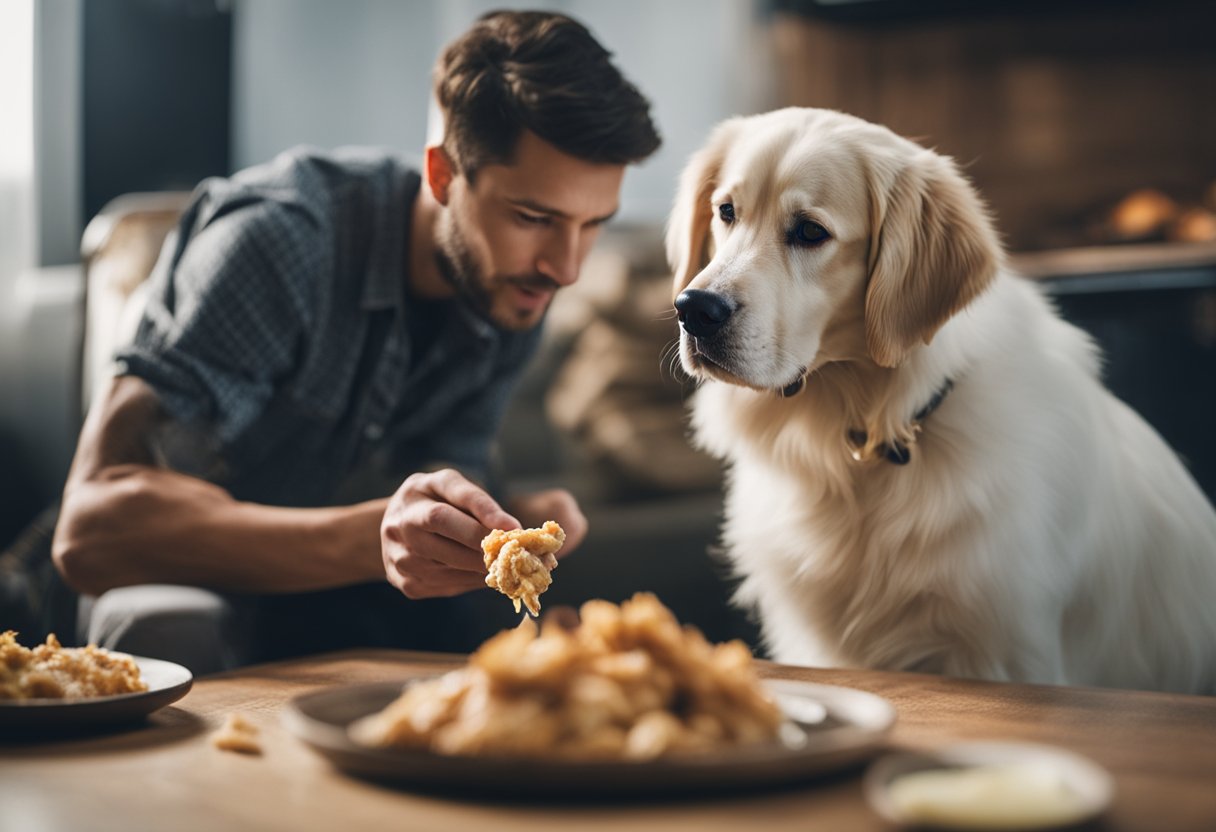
point(727, 212)
point(807, 233)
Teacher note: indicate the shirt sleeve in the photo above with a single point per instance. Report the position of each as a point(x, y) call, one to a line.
point(227, 313)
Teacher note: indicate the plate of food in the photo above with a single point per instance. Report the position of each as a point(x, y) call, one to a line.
point(50, 688)
point(626, 701)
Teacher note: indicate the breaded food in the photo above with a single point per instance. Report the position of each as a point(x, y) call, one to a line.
point(519, 562)
point(237, 734)
point(629, 683)
point(51, 671)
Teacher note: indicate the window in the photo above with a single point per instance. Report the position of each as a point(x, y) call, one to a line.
point(16, 138)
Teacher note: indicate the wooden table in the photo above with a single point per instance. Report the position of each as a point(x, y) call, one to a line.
point(1160, 748)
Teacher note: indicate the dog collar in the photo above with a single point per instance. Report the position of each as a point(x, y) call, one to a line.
point(897, 453)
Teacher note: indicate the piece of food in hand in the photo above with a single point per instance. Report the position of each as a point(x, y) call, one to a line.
point(51, 671)
point(628, 683)
point(237, 734)
point(518, 562)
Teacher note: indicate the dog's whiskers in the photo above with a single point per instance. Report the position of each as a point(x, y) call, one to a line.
point(670, 360)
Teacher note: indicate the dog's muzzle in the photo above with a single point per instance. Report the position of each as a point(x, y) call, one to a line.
point(703, 313)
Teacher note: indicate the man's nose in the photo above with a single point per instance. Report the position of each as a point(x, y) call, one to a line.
point(703, 313)
point(561, 259)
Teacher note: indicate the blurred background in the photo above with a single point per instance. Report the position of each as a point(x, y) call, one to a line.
point(1089, 127)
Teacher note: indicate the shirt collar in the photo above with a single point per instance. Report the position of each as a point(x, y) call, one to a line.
point(383, 287)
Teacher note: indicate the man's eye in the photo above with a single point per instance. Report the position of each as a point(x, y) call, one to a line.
point(532, 219)
point(727, 212)
point(807, 233)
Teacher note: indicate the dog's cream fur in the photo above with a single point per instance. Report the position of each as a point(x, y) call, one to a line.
point(1041, 532)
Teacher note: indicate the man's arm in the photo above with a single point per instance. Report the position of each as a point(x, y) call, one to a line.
point(126, 521)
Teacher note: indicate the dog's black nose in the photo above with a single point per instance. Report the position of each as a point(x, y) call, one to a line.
point(703, 313)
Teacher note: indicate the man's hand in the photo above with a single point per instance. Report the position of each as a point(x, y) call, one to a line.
point(555, 504)
point(430, 538)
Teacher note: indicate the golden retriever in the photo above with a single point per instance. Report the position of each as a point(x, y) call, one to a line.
point(925, 472)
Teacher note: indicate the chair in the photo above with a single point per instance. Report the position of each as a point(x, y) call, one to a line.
point(119, 247)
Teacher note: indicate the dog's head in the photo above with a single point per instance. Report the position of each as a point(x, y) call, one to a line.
point(801, 237)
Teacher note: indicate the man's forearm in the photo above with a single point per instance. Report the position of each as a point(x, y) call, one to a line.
point(137, 524)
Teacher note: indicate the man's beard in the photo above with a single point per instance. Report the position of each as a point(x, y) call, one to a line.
point(458, 266)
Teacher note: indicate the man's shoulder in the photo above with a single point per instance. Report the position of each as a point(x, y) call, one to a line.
point(304, 166)
point(305, 185)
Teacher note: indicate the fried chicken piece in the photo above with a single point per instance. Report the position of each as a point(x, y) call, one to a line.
point(519, 562)
point(51, 671)
point(628, 683)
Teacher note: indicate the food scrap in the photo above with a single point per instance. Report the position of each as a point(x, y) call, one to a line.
point(237, 734)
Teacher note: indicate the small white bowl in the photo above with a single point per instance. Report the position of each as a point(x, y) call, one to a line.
point(1090, 787)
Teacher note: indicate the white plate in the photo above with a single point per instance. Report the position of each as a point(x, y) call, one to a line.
point(1091, 786)
point(167, 682)
point(854, 725)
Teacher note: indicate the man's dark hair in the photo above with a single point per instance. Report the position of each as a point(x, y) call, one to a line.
point(542, 72)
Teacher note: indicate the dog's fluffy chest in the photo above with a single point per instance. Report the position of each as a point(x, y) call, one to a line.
point(839, 554)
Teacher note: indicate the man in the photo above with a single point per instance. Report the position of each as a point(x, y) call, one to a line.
point(320, 328)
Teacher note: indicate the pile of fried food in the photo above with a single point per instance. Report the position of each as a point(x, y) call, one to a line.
point(628, 683)
point(51, 671)
point(518, 562)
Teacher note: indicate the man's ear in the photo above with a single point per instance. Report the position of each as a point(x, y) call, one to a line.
point(439, 172)
point(933, 250)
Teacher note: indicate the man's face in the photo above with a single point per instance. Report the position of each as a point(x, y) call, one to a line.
point(508, 242)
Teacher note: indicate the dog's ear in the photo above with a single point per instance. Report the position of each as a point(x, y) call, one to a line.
point(932, 251)
point(688, 225)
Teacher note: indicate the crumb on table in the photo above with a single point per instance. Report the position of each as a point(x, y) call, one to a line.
point(237, 734)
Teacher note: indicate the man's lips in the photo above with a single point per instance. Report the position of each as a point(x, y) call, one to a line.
point(532, 296)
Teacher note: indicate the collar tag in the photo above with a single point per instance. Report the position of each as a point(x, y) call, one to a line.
point(896, 453)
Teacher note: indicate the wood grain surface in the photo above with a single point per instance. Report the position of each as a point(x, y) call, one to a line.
point(165, 774)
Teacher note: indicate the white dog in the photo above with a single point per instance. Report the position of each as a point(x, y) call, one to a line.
point(925, 472)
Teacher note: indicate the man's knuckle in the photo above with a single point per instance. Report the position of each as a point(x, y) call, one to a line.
point(390, 530)
point(413, 483)
point(450, 477)
point(434, 515)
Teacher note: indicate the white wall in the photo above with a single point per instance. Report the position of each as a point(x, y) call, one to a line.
point(358, 72)
point(326, 73)
point(58, 129)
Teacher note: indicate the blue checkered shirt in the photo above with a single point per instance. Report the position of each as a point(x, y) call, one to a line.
point(286, 351)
